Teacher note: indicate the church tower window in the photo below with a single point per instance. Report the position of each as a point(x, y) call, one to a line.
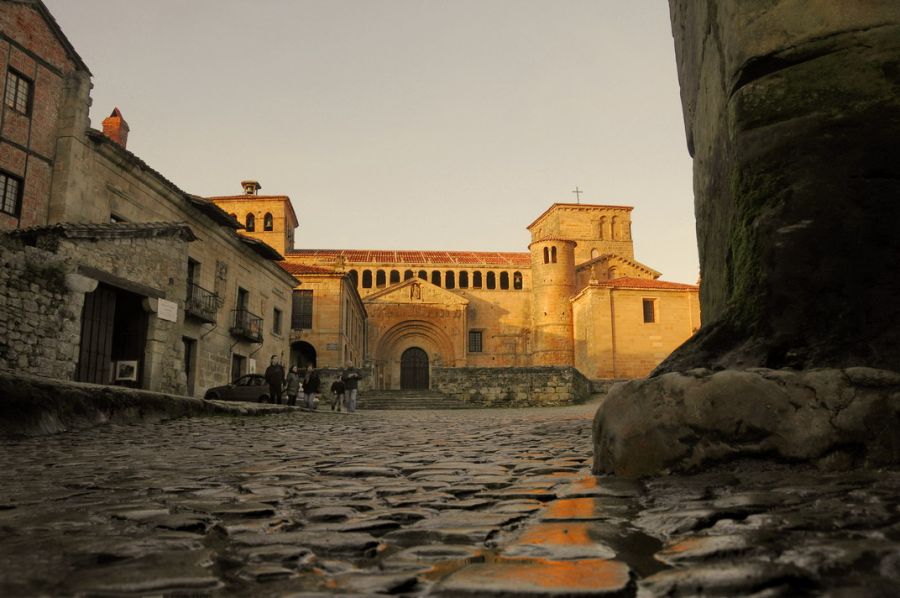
point(517, 281)
point(268, 222)
point(546, 255)
point(553, 254)
point(251, 223)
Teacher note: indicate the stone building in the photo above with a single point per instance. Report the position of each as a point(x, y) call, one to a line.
point(158, 288)
point(576, 298)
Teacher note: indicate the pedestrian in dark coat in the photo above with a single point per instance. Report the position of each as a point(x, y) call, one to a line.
point(275, 379)
point(292, 385)
point(311, 385)
point(337, 391)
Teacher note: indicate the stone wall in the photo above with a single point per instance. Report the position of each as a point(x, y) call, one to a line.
point(539, 386)
point(39, 316)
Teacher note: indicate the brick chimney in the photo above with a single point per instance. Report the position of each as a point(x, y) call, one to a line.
point(251, 187)
point(115, 127)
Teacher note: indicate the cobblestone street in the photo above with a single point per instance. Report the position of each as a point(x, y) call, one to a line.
point(451, 503)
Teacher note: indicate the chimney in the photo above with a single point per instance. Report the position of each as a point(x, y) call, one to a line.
point(115, 127)
point(251, 187)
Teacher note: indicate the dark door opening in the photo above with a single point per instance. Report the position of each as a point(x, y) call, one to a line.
point(113, 338)
point(414, 369)
point(190, 362)
point(302, 355)
point(238, 366)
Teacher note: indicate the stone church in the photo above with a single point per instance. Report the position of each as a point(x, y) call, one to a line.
point(577, 297)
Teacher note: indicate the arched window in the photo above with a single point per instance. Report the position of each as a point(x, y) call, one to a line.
point(595, 253)
point(423, 274)
point(450, 280)
point(464, 280)
point(491, 280)
point(354, 277)
point(601, 228)
point(546, 255)
point(616, 229)
point(517, 281)
point(613, 273)
point(553, 254)
point(251, 223)
point(268, 222)
point(504, 281)
point(379, 279)
point(408, 274)
point(367, 279)
point(436, 278)
point(395, 276)
point(233, 216)
point(476, 280)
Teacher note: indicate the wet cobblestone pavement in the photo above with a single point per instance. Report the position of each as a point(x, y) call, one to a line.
point(446, 503)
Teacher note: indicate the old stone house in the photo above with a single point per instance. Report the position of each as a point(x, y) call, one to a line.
point(576, 298)
point(156, 288)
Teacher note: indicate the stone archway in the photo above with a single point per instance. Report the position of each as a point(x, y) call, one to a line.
point(414, 369)
point(303, 354)
point(391, 346)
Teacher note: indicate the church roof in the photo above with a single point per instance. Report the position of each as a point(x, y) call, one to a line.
point(645, 283)
point(298, 269)
point(606, 257)
point(586, 206)
point(412, 257)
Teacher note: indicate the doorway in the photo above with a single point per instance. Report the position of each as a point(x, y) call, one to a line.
point(302, 355)
point(414, 369)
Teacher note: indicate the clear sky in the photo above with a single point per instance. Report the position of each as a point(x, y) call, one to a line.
point(405, 124)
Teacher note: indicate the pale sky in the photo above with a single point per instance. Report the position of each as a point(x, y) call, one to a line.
point(405, 124)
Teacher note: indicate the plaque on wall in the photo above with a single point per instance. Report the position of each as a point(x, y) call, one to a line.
point(167, 310)
point(332, 347)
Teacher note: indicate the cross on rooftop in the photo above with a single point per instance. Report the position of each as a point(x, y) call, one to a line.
point(577, 193)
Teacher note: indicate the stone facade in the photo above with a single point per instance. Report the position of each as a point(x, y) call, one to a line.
point(539, 386)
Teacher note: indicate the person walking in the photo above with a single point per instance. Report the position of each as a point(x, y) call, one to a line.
point(292, 385)
point(275, 378)
point(311, 385)
point(350, 378)
point(337, 390)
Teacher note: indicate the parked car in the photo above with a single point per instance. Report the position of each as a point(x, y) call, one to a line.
point(251, 388)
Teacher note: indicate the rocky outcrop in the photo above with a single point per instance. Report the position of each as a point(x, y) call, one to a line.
point(681, 422)
point(792, 115)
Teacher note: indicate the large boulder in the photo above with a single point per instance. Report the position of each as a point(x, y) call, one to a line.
point(792, 115)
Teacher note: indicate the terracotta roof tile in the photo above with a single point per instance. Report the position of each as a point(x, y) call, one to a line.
point(301, 269)
point(365, 256)
point(646, 283)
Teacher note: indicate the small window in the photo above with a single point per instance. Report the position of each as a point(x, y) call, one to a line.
point(546, 255)
point(464, 280)
point(436, 278)
point(423, 274)
point(450, 280)
point(553, 254)
point(475, 341)
point(504, 281)
point(476, 280)
point(268, 222)
point(395, 276)
point(649, 311)
point(517, 281)
point(10, 194)
point(302, 310)
point(380, 279)
point(408, 274)
point(491, 280)
point(234, 216)
point(354, 278)
point(276, 321)
point(367, 279)
point(18, 92)
point(251, 223)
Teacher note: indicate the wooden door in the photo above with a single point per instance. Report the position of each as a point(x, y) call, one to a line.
point(414, 369)
point(97, 320)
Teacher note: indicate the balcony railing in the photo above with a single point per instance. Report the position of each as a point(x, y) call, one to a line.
point(201, 304)
point(246, 325)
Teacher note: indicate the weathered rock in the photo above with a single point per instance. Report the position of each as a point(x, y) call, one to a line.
point(681, 422)
point(573, 578)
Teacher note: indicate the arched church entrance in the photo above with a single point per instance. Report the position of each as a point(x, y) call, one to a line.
point(414, 369)
point(303, 354)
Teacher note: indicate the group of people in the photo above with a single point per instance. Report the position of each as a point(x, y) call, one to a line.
point(344, 390)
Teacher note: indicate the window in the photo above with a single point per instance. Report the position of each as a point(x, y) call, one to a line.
point(354, 278)
point(10, 194)
point(504, 280)
point(276, 321)
point(436, 278)
point(251, 223)
point(423, 274)
point(302, 310)
point(491, 280)
point(395, 276)
point(546, 255)
point(476, 280)
point(464, 280)
point(243, 299)
point(18, 92)
point(268, 222)
point(553, 254)
point(649, 311)
point(234, 216)
point(517, 281)
point(379, 279)
point(475, 341)
point(450, 280)
point(408, 274)
point(367, 279)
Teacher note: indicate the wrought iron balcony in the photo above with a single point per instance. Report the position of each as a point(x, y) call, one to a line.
point(201, 304)
point(246, 325)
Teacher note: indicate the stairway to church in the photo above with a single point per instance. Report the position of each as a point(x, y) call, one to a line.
point(408, 399)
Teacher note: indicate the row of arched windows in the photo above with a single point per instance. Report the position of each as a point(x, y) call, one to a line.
point(250, 222)
point(448, 280)
point(613, 229)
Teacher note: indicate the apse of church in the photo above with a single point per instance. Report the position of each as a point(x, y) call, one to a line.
point(577, 297)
